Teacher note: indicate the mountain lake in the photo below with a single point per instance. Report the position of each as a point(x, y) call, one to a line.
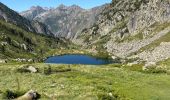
point(77, 59)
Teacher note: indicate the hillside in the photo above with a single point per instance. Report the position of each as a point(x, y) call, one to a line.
point(15, 42)
point(126, 27)
point(11, 16)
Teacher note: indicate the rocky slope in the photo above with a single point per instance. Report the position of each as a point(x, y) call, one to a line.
point(64, 21)
point(11, 16)
point(126, 27)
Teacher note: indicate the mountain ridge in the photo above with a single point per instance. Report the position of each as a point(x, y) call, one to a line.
point(11, 16)
point(20, 40)
point(65, 21)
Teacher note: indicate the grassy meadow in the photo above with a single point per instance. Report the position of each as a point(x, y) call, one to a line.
point(86, 82)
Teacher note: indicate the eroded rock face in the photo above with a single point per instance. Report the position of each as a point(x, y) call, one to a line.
point(130, 26)
point(148, 14)
point(155, 11)
point(114, 18)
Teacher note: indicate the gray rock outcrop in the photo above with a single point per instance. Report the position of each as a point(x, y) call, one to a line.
point(30, 95)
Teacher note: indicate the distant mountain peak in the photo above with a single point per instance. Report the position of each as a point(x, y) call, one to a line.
point(62, 6)
point(75, 6)
point(36, 8)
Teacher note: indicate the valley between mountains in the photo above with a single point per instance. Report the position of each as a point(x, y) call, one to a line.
point(135, 34)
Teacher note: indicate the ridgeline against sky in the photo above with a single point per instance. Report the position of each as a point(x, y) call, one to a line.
point(22, 5)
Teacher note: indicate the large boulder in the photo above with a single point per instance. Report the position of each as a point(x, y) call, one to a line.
point(32, 69)
point(30, 95)
point(28, 68)
point(3, 61)
point(149, 65)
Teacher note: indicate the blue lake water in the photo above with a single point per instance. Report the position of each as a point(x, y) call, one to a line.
point(77, 59)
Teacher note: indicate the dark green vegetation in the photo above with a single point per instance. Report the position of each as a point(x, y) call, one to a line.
point(106, 82)
point(18, 43)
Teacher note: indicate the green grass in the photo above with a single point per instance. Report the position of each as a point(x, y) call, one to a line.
point(86, 82)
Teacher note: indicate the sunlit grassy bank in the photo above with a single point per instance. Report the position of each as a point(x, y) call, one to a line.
point(86, 82)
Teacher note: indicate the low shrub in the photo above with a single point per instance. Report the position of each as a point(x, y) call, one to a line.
point(8, 94)
point(47, 70)
point(50, 70)
point(156, 69)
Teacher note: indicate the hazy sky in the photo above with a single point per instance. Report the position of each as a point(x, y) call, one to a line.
point(21, 5)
